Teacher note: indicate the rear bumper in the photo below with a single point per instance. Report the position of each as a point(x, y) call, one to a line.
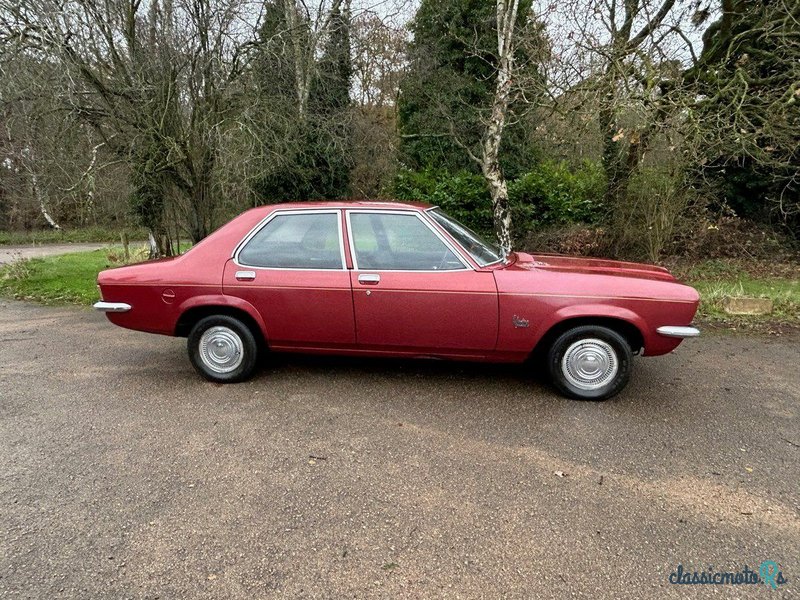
point(114, 307)
point(675, 331)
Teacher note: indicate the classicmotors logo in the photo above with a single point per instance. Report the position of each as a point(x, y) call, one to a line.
point(768, 573)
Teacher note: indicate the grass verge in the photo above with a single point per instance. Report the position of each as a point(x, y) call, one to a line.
point(66, 279)
point(74, 236)
point(718, 279)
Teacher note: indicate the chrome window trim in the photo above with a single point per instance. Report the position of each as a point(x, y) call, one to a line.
point(466, 265)
point(291, 211)
point(491, 264)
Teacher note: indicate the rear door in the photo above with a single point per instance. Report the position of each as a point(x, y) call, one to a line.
point(291, 268)
point(413, 291)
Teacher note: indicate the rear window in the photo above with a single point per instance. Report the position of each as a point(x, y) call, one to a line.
point(296, 241)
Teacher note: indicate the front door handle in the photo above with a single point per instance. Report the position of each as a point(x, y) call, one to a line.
point(245, 275)
point(369, 279)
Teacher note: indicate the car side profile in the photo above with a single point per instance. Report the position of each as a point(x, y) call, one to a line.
point(399, 280)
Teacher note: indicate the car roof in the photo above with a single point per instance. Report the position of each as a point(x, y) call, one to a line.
point(387, 205)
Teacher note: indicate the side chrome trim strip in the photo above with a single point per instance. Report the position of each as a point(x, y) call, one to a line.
point(116, 307)
point(678, 332)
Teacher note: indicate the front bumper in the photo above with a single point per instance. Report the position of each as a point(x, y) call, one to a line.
point(675, 331)
point(115, 307)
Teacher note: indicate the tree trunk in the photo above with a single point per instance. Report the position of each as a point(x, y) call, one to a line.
point(202, 202)
point(42, 201)
point(153, 245)
point(300, 57)
point(611, 154)
point(501, 211)
point(490, 162)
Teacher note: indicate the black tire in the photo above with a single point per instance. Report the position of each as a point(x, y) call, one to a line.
point(605, 353)
point(237, 353)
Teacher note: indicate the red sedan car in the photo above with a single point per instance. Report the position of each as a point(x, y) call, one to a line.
point(402, 280)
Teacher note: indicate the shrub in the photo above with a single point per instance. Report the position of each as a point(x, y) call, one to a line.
point(462, 195)
point(553, 194)
point(550, 194)
point(576, 240)
point(654, 212)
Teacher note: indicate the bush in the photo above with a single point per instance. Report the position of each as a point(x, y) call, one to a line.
point(550, 194)
point(575, 240)
point(657, 209)
point(462, 195)
point(726, 236)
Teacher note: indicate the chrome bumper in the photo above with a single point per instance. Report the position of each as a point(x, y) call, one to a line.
point(678, 332)
point(111, 306)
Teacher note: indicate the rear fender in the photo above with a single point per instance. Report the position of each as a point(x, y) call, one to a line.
point(228, 301)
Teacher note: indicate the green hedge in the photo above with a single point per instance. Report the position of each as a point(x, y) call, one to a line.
point(550, 194)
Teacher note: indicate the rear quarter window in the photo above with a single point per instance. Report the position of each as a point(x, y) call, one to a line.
point(296, 241)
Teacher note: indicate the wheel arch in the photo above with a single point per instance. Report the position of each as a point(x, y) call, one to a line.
point(191, 314)
point(623, 326)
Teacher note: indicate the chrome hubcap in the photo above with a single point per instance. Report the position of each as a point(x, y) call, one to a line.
point(590, 364)
point(221, 349)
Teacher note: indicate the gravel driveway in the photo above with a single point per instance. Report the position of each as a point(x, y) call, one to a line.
point(10, 253)
point(123, 475)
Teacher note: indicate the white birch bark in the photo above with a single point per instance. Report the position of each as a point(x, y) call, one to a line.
point(37, 190)
point(493, 137)
point(153, 246)
point(305, 47)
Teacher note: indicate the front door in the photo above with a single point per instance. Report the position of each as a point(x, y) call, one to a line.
point(292, 270)
point(413, 293)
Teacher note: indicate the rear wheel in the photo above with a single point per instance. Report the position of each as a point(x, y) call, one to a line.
point(590, 362)
point(222, 349)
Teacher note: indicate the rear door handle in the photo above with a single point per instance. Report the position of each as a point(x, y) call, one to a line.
point(245, 275)
point(369, 279)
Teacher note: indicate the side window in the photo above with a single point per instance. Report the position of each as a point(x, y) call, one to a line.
point(399, 242)
point(296, 241)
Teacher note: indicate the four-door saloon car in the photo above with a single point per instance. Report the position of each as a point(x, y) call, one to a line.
point(401, 280)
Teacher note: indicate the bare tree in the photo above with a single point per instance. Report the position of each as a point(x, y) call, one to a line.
point(378, 57)
point(153, 80)
point(50, 158)
point(307, 26)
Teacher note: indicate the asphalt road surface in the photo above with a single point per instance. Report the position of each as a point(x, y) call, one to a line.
point(123, 475)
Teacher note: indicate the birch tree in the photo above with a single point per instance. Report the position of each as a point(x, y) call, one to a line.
point(493, 137)
point(469, 100)
point(302, 75)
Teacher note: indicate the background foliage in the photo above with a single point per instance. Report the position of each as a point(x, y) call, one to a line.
point(641, 128)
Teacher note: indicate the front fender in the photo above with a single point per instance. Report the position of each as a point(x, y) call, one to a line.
point(598, 310)
point(526, 319)
point(652, 343)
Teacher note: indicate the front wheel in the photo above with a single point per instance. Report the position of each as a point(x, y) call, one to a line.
point(590, 362)
point(222, 349)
